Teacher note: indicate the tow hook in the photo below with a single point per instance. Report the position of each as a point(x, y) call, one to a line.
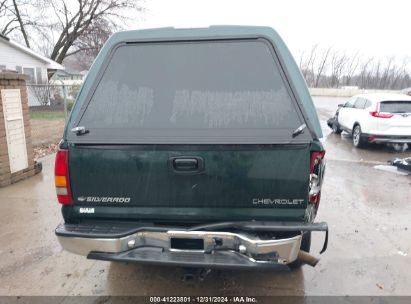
point(191, 275)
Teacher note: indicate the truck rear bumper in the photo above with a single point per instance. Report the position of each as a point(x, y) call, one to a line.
point(216, 260)
point(186, 247)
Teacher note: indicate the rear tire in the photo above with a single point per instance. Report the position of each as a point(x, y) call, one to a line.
point(357, 139)
point(336, 128)
point(306, 246)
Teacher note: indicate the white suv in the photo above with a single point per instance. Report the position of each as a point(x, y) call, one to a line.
point(375, 118)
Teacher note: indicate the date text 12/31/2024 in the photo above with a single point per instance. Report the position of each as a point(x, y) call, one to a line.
point(203, 299)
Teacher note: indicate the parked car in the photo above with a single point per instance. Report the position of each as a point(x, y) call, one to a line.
point(196, 148)
point(406, 91)
point(375, 118)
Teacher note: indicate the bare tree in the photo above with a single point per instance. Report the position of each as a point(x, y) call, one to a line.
point(6, 18)
point(338, 62)
point(402, 79)
point(364, 68)
point(4, 9)
point(351, 68)
point(320, 66)
point(386, 73)
point(41, 94)
point(62, 29)
point(332, 68)
point(307, 64)
point(87, 46)
point(20, 22)
point(394, 77)
point(374, 75)
point(16, 16)
point(74, 23)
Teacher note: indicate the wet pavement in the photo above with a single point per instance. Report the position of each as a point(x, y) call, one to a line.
point(368, 212)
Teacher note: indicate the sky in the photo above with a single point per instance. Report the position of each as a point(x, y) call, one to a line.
point(374, 28)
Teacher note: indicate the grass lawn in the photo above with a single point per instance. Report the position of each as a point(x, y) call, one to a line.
point(46, 115)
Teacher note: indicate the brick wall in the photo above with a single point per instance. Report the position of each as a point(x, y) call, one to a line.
point(13, 80)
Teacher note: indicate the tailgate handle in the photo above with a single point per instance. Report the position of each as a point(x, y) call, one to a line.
point(183, 164)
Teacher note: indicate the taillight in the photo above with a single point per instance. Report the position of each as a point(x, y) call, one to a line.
point(61, 178)
point(378, 114)
point(316, 160)
point(315, 198)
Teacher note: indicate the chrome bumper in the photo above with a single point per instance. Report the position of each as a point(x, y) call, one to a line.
point(278, 251)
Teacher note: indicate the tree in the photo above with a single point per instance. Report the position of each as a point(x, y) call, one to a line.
point(332, 68)
point(338, 62)
point(75, 23)
point(65, 28)
point(6, 18)
point(387, 73)
point(307, 64)
point(320, 67)
point(41, 94)
point(363, 79)
point(15, 17)
point(20, 22)
point(87, 46)
point(351, 68)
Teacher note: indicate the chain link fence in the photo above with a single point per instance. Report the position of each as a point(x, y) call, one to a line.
point(49, 107)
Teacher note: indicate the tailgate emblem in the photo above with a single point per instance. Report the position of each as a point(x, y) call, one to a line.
point(277, 201)
point(103, 199)
point(86, 210)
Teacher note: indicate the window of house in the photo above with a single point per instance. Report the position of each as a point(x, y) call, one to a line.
point(19, 69)
point(38, 75)
point(30, 72)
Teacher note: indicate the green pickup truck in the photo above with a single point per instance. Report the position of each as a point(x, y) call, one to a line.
point(192, 147)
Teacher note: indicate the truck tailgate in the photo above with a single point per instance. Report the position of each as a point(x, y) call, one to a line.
point(190, 176)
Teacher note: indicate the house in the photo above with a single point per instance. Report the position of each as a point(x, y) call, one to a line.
point(14, 56)
point(69, 77)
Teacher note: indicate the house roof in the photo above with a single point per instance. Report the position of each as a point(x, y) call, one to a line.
point(68, 72)
point(51, 64)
